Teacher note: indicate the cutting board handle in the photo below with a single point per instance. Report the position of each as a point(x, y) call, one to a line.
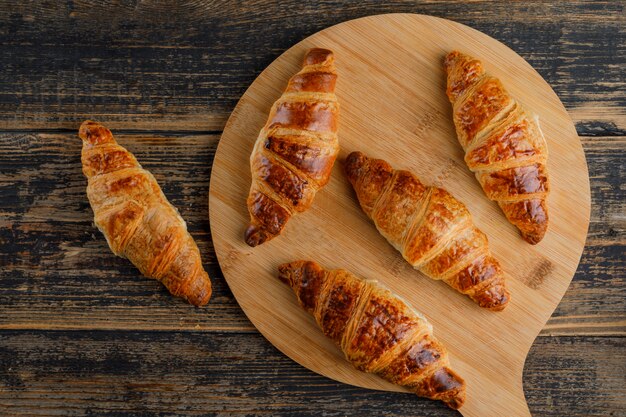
point(520, 405)
point(485, 401)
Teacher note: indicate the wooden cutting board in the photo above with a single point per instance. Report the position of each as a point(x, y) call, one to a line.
point(391, 88)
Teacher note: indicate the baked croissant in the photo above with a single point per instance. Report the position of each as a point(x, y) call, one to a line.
point(503, 144)
point(136, 218)
point(296, 149)
point(376, 330)
point(432, 230)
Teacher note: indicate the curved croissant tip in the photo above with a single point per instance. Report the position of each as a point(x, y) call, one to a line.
point(196, 290)
point(93, 132)
point(85, 127)
point(352, 164)
point(534, 237)
point(444, 385)
point(202, 298)
point(316, 56)
point(451, 56)
point(255, 235)
point(287, 270)
point(284, 272)
point(500, 306)
point(457, 400)
point(500, 303)
point(354, 157)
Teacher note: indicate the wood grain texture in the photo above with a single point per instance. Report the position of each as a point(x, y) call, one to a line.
point(58, 273)
point(199, 373)
point(393, 107)
point(169, 74)
point(160, 65)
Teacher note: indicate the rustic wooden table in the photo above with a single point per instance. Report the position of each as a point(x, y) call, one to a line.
point(82, 334)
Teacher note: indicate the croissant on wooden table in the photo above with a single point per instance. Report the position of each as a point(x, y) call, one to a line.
point(137, 220)
point(503, 144)
point(296, 149)
point(433, 231)
point(376, 330)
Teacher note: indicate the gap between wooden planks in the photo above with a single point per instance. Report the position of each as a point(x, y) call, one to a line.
point(50, 213)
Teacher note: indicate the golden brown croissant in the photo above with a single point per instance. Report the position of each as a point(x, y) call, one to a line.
point(296, 149)
point(136, 218)
point(376, 330)
point(432, 230)
point(503, 144)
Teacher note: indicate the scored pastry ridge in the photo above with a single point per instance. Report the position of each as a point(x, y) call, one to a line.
point(296, 149)
point(432, 230)
point(504, 145)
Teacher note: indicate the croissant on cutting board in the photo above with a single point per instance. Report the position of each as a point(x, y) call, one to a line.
point(503, 144)
point(296, 149)
point(433, 231)
point(376, 330)
point(136, 218)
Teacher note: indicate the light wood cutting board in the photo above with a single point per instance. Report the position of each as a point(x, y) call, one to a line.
point(391, 89)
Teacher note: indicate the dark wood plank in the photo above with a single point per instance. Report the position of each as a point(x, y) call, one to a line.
point(58, 273)
point(164, 65)
point(198, 373)
point(57, 270)
point(596, 300)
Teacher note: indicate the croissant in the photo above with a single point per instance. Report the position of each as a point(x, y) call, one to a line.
point(503, 144)
point(376, 330)
point(137, 220)
point(432, 230)
point(296, 149)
